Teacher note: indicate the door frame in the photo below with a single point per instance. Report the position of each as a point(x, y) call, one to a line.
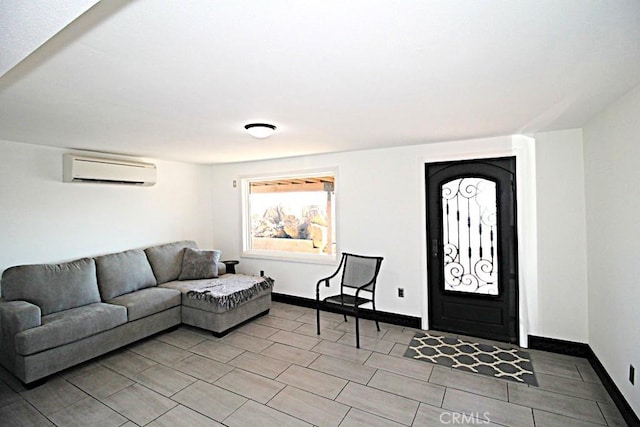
point(523, 149)
point(501, 171)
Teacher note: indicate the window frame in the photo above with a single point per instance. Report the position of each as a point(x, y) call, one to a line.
point(246, 229)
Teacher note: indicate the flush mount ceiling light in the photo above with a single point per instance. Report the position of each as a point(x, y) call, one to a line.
point(260, 130)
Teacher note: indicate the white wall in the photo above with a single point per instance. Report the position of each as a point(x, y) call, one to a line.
point(380, 202)
point(612, 155)
point(562, 245)
point(43, 219)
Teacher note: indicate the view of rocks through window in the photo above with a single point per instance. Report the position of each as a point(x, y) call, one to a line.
point(299, 216)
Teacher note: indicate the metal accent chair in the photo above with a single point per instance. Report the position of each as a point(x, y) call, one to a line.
point(358, 275)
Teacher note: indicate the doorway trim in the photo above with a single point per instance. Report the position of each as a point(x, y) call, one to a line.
point(523, 149)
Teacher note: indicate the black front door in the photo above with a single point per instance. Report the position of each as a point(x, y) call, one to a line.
point(472, 247)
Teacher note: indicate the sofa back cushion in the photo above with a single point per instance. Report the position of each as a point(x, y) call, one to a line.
point(166, 260)
point(52, 287)
point(123, 272)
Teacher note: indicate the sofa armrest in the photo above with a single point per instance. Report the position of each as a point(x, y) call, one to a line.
point(15, 317)
point(18, 316)
point(222, 268)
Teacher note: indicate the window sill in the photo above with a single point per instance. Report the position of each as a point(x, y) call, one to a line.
point(292, 257)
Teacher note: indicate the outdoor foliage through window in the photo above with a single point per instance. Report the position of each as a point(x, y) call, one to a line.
point(294, 214)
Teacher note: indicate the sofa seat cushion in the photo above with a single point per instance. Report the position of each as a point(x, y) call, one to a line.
point(71, 325)
point(166, 260)
point(52, 287)
point(122, 273)
point(146, 302)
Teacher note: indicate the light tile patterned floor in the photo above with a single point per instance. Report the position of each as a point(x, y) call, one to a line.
point(276, 371)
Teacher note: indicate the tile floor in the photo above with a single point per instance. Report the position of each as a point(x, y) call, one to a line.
point(275, 371)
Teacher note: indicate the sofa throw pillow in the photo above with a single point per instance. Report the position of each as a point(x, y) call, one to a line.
point(166, 260)
point(199, 264)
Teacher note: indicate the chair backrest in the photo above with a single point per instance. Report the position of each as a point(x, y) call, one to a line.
point(360, 270)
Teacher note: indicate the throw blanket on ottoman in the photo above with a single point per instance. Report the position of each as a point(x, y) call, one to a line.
point(229, 291)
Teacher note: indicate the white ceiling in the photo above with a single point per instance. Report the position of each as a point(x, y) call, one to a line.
point(26, 25)
point(178, 79)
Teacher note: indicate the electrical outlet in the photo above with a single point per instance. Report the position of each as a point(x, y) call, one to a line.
point(235, 183)
point(400, 292)
point(632, 374)
point(261, 273)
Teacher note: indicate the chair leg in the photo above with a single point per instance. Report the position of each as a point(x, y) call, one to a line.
point(342, 306)
point(375, 314)
point(357, 332)
point(318, 307)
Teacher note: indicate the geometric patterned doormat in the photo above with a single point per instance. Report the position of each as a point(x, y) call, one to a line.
point(500, 362)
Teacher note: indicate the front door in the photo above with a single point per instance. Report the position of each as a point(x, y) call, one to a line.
point(472, 247)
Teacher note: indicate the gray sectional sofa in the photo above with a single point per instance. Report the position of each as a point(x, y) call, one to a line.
point(54, 316)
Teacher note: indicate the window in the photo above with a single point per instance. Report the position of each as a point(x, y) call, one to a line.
point(290, 216)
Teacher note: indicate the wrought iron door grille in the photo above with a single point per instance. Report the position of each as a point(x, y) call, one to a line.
point(469, 220)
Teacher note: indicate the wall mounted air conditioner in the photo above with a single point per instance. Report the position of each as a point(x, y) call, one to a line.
point(107, 171)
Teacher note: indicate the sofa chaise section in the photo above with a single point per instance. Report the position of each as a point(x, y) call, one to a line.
point(222, 303)
point(251, 299)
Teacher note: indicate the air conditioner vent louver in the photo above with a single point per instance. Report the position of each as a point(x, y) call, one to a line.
point(107, 171)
